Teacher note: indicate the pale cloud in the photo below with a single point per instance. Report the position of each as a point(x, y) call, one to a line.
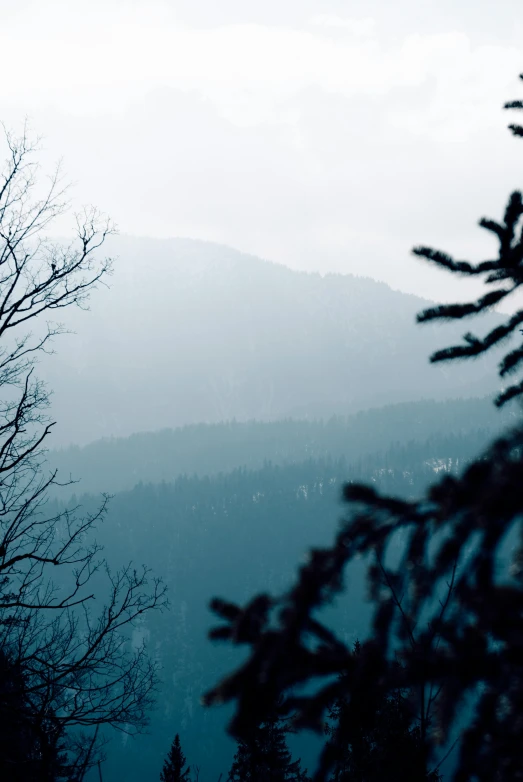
point(356, 27)
point(466, 84)
point(325, 143)
point(87, 58)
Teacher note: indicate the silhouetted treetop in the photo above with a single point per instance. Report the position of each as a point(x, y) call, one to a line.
point(264, 756)
point(174, 765)
point(374, 735)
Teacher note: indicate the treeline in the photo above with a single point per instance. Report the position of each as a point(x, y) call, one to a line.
point(117, 464)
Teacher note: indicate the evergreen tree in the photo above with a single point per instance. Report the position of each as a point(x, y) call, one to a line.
point(173, 767)
point(264, 755)
point(456, 648)
point(32, 741)
point(373, 735)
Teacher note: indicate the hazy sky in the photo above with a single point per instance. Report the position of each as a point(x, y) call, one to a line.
point(328, 135)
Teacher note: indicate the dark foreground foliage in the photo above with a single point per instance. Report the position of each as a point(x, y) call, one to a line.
point(31, 740)
point(374, 737)
point(445, 577)
point(263, 755)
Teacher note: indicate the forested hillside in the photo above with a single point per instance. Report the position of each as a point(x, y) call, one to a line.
point(259, 522)
point(115, 464)
point(195, 332)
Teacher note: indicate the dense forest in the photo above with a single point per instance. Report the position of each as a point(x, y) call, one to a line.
point(256, 521)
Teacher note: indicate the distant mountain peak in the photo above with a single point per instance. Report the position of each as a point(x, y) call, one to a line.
point(194, 331)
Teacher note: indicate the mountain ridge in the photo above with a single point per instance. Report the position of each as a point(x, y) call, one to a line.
point(191, 332)
point(117, 464)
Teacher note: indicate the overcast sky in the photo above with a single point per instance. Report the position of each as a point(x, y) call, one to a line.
point(324, 134)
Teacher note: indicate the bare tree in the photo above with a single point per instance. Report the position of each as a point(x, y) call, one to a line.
point(76, 654)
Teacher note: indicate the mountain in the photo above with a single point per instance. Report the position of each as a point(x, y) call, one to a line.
point(116, 464)
point(196, 332)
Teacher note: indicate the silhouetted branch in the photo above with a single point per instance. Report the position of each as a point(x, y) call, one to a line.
point(71, 647)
